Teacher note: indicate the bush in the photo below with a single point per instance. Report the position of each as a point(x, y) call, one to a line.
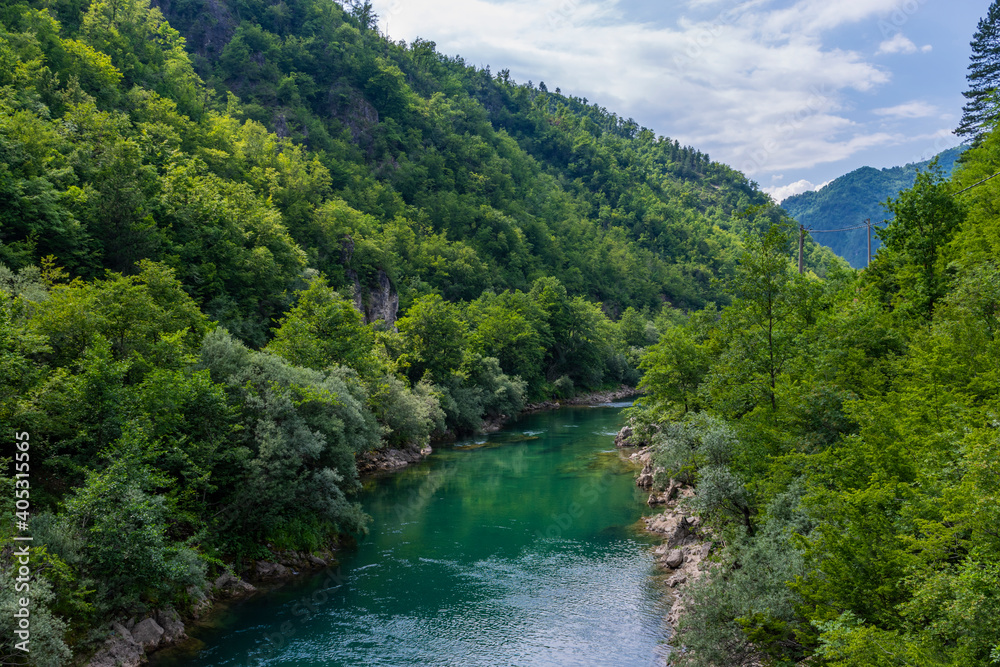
point(122, 525)
point(563, 387)
point(301, 429)
point(408, 416)
point(47, 646)
point(742, 607)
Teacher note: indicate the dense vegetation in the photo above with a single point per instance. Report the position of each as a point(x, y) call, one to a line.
point(851, 199)
point(843, 436)
point(202, 251)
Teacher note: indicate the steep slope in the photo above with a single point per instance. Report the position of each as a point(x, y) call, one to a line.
point(856, 197)
point(612, 210)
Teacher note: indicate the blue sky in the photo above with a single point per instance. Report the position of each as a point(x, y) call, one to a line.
point(792, 92)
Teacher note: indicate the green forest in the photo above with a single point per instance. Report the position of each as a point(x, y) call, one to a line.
point(243, 243)
point(861, 195)
point(843, 437)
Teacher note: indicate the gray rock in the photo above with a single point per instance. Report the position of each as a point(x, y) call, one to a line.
point(120, 631)
point(232, 585)
point(120, 650)
point(621, 440)
point(674, 559)
point(266, 570)
point(679, 535)
point(317, 561)
point(225, 580)
point(378, 301)
point(173, 627)
point(148, 633)
point(645, 479)
point(677, 580)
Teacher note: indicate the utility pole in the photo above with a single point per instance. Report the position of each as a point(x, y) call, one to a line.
point(802, 242)
point(868, 223)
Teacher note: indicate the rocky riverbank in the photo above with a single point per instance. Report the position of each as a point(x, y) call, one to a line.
point(594, 398)
point(129, 641)
point(388, 460)
point(686, 545)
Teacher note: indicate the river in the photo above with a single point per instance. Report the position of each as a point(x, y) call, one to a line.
point(516, 548)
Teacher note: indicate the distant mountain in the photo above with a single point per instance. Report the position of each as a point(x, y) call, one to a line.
point(854, 198)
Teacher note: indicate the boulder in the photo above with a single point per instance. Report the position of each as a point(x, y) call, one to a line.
point(147, 633)
point(199, 601)
point(645, 479)
point(120, 650)
point(173, 627)
point(680, 535)
point(674, 559)
point(317, 561)
point(230, 584)
point(677, 580)
point(266, 570)
point(621, 440)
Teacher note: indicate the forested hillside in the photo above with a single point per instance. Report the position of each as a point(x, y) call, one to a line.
point(843, 438)
point(243, 243)
point(855, 197)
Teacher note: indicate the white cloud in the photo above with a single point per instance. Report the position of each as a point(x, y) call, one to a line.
point(901, 44)
point(915, 109)
point(782, 192)
point(753, 85)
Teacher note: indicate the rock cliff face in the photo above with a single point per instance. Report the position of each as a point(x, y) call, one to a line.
point(375, 301)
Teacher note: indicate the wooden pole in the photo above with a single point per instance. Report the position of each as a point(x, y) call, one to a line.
point(802, 241)
point(869, 223)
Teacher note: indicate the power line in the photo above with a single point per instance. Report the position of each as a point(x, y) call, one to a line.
point(845, 229)
point(851, 229)
point(868, 225)
point(979, 183)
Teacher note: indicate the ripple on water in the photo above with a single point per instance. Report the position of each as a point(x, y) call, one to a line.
point(525, 557)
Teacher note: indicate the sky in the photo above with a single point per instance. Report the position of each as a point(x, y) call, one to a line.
point(791, 92)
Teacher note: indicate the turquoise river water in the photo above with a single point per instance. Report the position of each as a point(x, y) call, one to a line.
point(517, 548)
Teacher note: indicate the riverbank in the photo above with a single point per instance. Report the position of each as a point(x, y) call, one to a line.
point(392, 459)
point(682, 555)
point(130, 641)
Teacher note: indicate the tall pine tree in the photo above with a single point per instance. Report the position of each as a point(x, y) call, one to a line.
point(980, 112)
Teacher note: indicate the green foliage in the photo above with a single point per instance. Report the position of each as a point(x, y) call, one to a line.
point(927, 216)
point(299, 432)
point(124, 523)
point(843, 444)
point(433, 339)
point(743, 611)
point(47, 646)
point(674, 369)
point(758, 331)
point(324, 330)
